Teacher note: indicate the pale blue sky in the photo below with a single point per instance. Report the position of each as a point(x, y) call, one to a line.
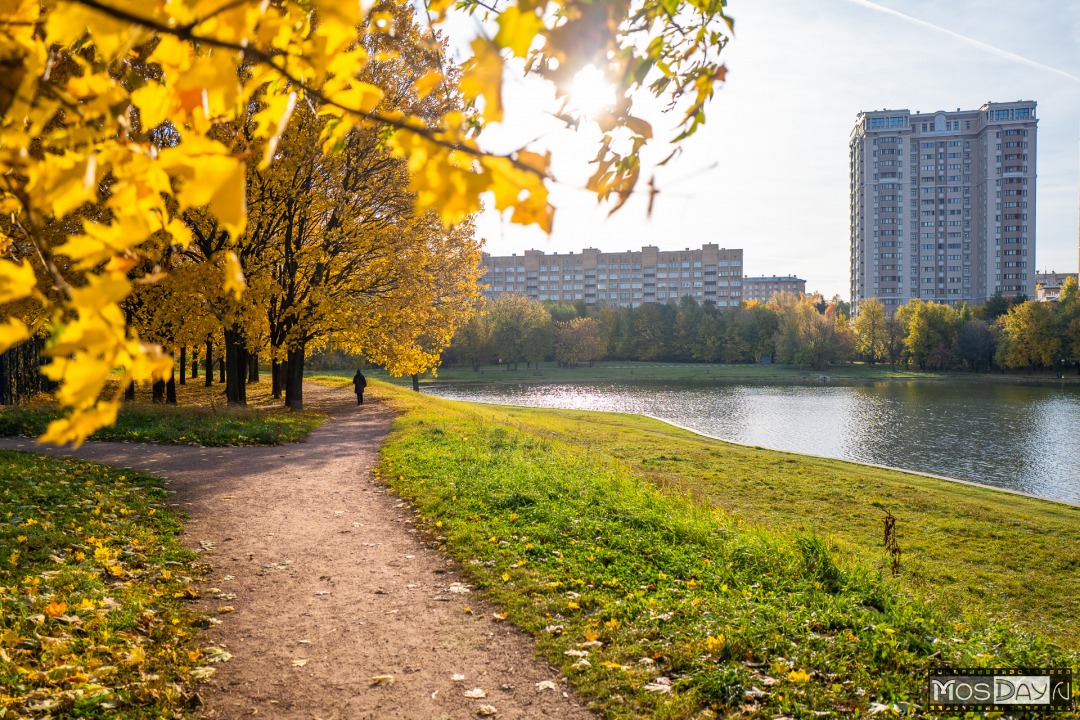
point(769, 172)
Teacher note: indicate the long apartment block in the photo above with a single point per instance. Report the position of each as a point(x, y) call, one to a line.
point(943, 204)
point(709, 274)
point(763, 287)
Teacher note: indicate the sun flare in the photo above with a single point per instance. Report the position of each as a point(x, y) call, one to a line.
point(591, 93)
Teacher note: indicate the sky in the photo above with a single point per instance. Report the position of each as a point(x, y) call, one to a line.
point(769, 171)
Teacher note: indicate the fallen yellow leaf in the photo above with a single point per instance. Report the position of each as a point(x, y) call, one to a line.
point(798, 676)
point(55, 609)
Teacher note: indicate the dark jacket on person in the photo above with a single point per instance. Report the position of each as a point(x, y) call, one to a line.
point(359, 382)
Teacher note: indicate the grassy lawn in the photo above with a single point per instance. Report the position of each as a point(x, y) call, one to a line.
point(750, 580)
point(609, 371)
point(200, 417)
point(93, 584)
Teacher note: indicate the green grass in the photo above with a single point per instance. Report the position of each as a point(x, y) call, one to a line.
point(614, 371)
point(649, 552)
point(93, 584)
point(201, 417)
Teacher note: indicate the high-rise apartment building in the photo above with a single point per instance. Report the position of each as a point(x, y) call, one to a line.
point(711, 274)
point(764, 287)
point(943, 204)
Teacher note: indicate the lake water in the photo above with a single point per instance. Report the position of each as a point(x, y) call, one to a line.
point(1015, 437)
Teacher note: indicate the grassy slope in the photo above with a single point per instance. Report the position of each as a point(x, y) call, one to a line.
point(201, 417)
point(93, 581)
point(693, 559)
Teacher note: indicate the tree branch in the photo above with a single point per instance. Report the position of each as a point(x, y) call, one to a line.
point(258, 55)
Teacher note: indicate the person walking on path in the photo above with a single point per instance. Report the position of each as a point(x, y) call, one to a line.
point(359, 383)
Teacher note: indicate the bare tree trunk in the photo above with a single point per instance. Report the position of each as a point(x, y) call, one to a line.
point(194, 363)
point(253, 367)
point(294, 379)
point(209, 362)
point(170, 390)
point(183, 364)
point(236, 369)
point(158, 390)
point(277, 376)
point(415, 382)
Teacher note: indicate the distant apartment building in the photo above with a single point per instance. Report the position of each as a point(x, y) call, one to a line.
point(943, 204)
point(1048, 285)
point(710, 274)
point(764, 287)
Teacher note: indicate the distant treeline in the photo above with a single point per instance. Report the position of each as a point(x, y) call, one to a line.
point(802, 330)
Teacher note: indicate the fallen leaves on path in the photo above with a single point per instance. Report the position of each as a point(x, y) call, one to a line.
point(476, 693)
point(299, 662)
point(382, 680)
point(216, 654)
point(486, 711)
point(546, 685)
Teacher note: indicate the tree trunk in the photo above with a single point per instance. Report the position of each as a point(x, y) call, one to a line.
point(415, 382)
point(221, 369)
point(236, 369)
point(170, 390)
point(158, 390)
point(253, 367)
point(20, 376)
point(194, 363)
point(129, 391)
point(294, 379)
point(183, 364)
point(209, 362)
point(277, 375)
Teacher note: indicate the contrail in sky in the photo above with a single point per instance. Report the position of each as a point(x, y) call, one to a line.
point(971, 41)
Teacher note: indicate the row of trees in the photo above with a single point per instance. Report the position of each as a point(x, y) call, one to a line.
point(801, 330)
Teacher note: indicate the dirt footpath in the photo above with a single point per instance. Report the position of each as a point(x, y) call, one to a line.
point(332, 588)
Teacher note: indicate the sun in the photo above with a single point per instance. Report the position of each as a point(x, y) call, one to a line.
point(591, 93)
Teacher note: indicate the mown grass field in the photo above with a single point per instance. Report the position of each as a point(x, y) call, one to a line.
point(93, 588)
point(752, 581)
point(200, 417)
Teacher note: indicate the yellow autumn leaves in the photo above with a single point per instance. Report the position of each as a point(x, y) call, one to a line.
point(91, 614)
point(112, 127)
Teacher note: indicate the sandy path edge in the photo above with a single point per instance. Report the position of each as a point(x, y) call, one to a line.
point(323, 565)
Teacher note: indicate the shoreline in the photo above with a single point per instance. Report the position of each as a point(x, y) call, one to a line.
point(946, 478)
point(933, 476)
point(621, 371)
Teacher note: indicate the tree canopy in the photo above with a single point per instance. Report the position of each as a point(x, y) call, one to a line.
point(120, 119)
